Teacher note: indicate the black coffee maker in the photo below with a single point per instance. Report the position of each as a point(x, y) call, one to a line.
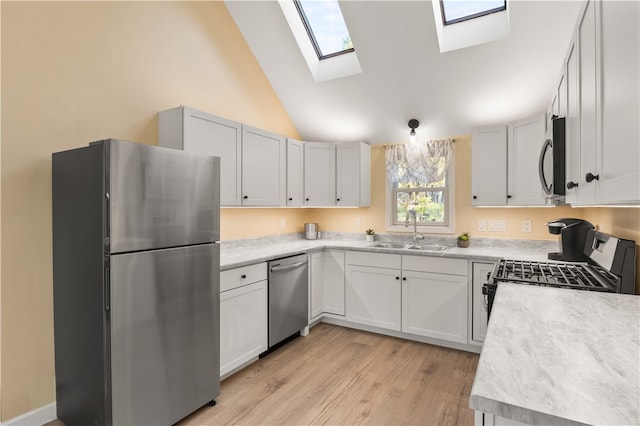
point(573, 234)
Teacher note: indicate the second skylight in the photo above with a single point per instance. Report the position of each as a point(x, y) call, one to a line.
point(454, 11)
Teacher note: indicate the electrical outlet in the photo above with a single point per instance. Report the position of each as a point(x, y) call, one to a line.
point(482, 225)
point(283, 223)
point(526, 225)
point(497, 225)
point(358, 222)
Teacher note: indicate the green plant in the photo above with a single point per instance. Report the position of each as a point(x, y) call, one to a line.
point(464, 236)
point(369, 231)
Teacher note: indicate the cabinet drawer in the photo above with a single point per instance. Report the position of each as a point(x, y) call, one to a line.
point(234, 278)
point(440, 265)
point(377, 260)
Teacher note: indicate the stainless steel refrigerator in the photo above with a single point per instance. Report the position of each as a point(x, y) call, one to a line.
point(135, 283)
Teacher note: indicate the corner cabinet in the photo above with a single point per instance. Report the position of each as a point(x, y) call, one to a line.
point(319, 174)
point(327, 282)
point(195, 131)
point(264, 166)
point(603, 140)
point(353, 174)
point(243, 316)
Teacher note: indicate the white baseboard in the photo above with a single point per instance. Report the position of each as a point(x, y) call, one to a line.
point(38, 417)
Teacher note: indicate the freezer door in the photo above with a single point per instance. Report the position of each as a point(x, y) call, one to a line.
point(164, 310)
point(160, 197)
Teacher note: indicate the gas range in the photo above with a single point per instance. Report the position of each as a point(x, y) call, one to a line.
point(610, 268)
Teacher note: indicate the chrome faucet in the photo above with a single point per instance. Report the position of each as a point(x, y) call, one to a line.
point(411, 211)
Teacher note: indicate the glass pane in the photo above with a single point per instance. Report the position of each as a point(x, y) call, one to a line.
point(459, 10)
point(429, 207)
point(326, 26)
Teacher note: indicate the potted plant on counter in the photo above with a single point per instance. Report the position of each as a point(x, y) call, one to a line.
point(369, 233)
point(463, 239)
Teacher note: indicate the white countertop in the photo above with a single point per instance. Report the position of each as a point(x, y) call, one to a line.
point(559, 356)
point(235, 256)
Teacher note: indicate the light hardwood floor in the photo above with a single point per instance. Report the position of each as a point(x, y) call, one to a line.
point(340, 376)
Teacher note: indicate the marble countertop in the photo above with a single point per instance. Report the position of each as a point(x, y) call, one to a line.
point(242, 253)
point(557, 356)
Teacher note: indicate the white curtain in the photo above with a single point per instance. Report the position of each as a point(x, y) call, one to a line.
point(426, 161)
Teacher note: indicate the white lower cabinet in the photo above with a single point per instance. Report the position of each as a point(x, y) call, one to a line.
point(326, 283)
point(243, 316)
point(435, 305)
point(373, 296)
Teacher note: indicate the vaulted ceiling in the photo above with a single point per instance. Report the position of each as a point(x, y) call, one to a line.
point(404, 74)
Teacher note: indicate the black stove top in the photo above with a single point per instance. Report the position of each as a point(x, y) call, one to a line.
point(565, 275)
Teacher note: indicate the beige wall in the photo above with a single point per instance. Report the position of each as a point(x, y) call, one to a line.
point(81, 71)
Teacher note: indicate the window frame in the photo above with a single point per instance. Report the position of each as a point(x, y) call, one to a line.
point(312, 36)
point(391, 205)
point(469, 17)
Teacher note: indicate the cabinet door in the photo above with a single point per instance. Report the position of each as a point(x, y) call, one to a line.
point(334, 282)
point(572, 145)
point(525, 140)
point(479, 311)
point(353, 174)
point(295, 172)
point(435, 305)
point(316, 282)
point(373, 296)
point(202, 133)
point(319, 174)
point(619, 142)
point(489, 166)
point(243, 325)
point(263, 168)
point(587, 98)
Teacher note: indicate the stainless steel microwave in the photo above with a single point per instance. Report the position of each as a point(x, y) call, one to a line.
point(551, 165)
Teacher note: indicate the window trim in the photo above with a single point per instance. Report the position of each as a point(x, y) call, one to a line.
point(469, 17)
point(427, 229)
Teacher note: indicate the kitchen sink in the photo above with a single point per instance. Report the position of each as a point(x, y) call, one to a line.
point(426, 247)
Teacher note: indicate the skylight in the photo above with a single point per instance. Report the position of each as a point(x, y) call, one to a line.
point(325, 26)
point(454, 11)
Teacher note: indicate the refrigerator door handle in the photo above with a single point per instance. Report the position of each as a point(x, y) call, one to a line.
point(107, 287)
point(107, 222)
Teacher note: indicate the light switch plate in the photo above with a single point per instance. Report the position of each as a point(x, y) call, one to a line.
point(497, 225)
point(358, 222)
point(482, 225)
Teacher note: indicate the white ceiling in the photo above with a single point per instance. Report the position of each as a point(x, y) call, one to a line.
point(404, 74)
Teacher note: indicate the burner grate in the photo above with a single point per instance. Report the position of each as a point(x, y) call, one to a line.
point(578, 275)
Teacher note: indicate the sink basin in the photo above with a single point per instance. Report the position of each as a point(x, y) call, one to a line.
point(426, 247)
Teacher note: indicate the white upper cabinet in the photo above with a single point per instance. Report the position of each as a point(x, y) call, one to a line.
point(489, 166)
point(524, 142)
point(264, 168)
point(295, 173)
point(319, 174)
point(195, 131)
point(603, 137)
point(504, 164)
point(353, 176)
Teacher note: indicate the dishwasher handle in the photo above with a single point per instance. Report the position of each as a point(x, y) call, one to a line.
point(278, 268)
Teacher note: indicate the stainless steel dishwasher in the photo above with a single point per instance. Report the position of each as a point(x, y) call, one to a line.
point(288, 297)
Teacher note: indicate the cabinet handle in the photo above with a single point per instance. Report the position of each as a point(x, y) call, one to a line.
point(338, 199)
point(404, 278)
point(571, 185)
point(243, 276)
point(307, 199)
point(397, 278)
point(508, 196)
point(475, 197)
point(590, 177)
point(245, 197)
point(290, 199)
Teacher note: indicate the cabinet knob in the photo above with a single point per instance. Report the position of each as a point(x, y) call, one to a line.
point(243, 276)
point(337, 199)
point(590, 177)
point(404, 278)
point(307, 199)
point(475, 197)
point(571, 185)
point(290, 199)
point(245, 197)
point(508, 196)
point(397, 278)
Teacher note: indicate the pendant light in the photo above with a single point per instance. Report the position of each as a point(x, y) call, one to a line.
point(413, 124)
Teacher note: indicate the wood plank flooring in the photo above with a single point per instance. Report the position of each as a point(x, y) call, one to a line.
point(340, 376)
